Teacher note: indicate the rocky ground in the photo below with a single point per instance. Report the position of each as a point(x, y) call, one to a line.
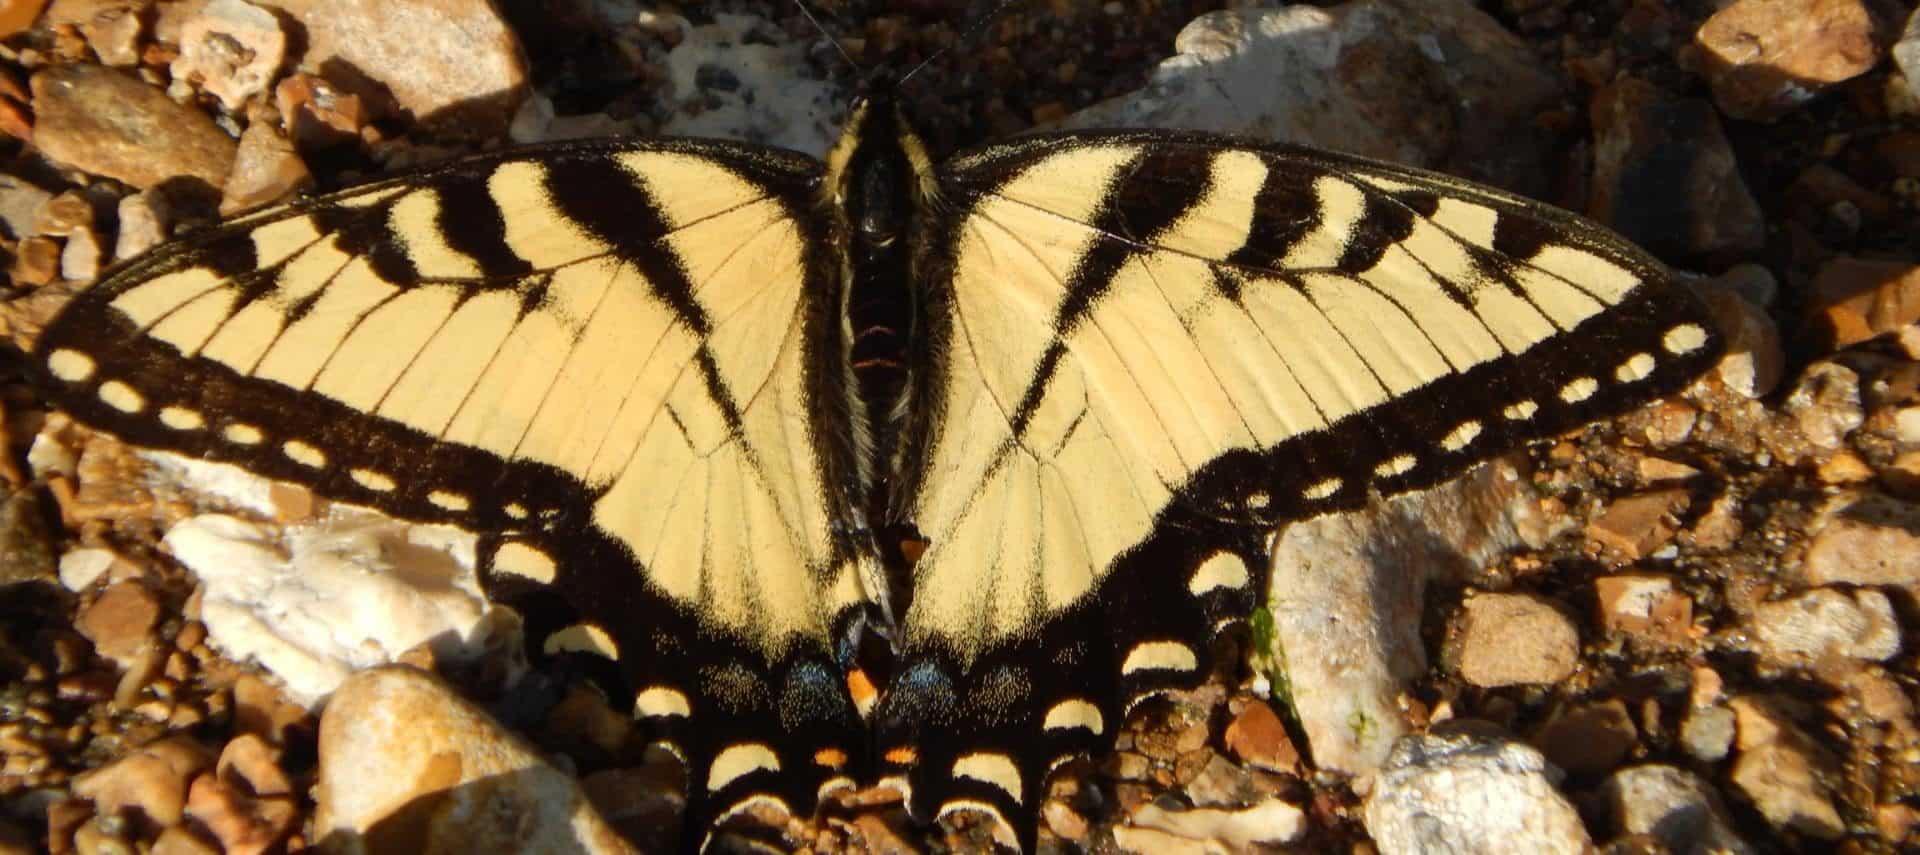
point(1683, 631)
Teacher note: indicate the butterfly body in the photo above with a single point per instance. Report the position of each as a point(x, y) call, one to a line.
point(694, 393)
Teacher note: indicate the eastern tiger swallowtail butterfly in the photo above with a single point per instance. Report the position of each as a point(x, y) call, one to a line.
point(696, 394)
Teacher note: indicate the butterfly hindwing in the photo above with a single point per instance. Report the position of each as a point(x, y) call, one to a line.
point(593, 353)
point(1143, 350)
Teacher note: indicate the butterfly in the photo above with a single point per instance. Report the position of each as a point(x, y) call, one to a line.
point(726, 416)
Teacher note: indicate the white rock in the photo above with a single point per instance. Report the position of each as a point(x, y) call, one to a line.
point(751, 91)
point(314, 602)
point(1826, 621)
point(1347, 592)
point(1674, 806)
point(1269, 822)
point(233, 48)
point(80, 567)
point(1466, 794)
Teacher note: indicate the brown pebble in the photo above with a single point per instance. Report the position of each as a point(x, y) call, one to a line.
point(252, 763)
point(121, 620)
point(1637, 525)
point(1258, 737)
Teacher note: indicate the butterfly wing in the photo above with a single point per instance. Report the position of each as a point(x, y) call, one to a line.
point(1142, 351)
point(619, 361)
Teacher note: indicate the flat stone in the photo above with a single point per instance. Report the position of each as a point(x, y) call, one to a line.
point(1636, 526)
point(1765, 58)
point(1466, 790)
point(406, 764)
point(1258, 737)
point(1645, 607)
point(1864, 539)
point(232, 49)
point(1674, 806)
point(120, 622)
point(102, 122)
point(1781, 770)
point(1513, 639)
point(1828, 622)
point(1271, 821)
point(452, 65)
point(1590, 739)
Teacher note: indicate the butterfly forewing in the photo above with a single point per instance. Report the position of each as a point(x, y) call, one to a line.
point(1147, 349)
point(594, 354)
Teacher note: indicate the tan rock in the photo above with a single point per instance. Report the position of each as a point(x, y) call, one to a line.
point(111, 27)
point(1827, 622)
point(232, 49)
point(1864, 539)
point(319, 114)
point(1782, 771)
point(261, 707)
point(151, 780)
point(106, 123)
point(1637, 525)
point(1647, 607)
point(1766, 57)
point(265, 169)
point(1257, 736)
point(251, 763)
point(1511, 639)
point(407, 763)
point(120, 622)
point(1675, 807)
point(244, 825)
point(1856, 299)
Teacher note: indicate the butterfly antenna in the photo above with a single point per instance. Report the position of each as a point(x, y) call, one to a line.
point(973, 31)
point(805, 10)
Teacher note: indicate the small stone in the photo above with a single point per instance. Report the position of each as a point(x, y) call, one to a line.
point(265, 169)
point(1673, 805)
point(1755, 360)
point(318, 114)
point(144, 220)
point(1257, 736)
point(643, 802)
point(1844, 467)
point(243, 825)
point(1828, 622)
point(1707, 733)
point(1825, 405)
point(1636, 526)
point(260, 707)
point(1221, 783)
point(105, 123)
point(1764, 58)
point(36, 261)
point(1271, 821)
point(1646, 607)
point(394, 738)
point(1513, 639)
point(232, 49)
point(1780, 769)
point(1469, 791)
point(248, 761)
point(1665, 175)
point(17, 15)
point(111, 27)
point(1857, 299)
point(120, 622)
point(1590, 739)
point(26, 550)
point(1669, 423)
point(151, 780)
point(80, 568)
point(1064, 821)
point(1655, 470)
point(20, 206)
point(1864, 539)
point(81, 256)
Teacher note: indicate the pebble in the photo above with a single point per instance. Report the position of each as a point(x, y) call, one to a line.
point(1765, 58)
point(26, 552)
point(17, 15)
point(1864, 539)
point(232, 49)
point(1467, 789)
point(265, 169)
point(250, 761)
point(1665, 175)
point(452, 65)
point(1780, 770)
point(1856, 299)
point(1707, 733)
point(1269, 822)
point(1827, 622)
point(120, 622)
point(1513, 639)
point(1825, 404)
point(1258, 737)
point(106, 123)
point(1645, 607)
point(393, 738)
point(1590, 739)
point(1674, 806)
point(20, 204)
point(318, 114)
point(144, 220)
point(1637, 526)
point(152, 779)
point(111, 27)
point(1755, 360)
point(244, 825)
point(36, 261)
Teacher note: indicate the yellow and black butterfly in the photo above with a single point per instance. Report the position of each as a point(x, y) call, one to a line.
point(695, 393)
